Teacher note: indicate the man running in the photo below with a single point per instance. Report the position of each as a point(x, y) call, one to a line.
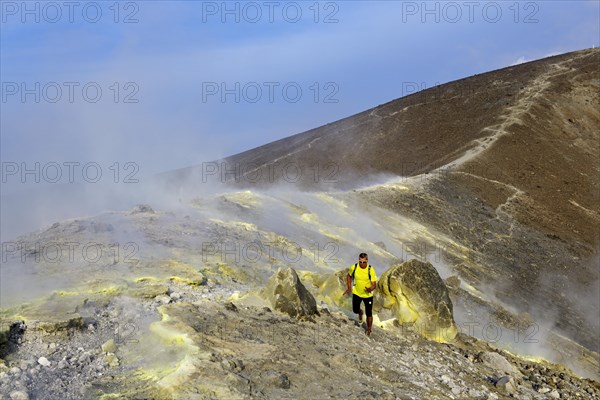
point(365, 282)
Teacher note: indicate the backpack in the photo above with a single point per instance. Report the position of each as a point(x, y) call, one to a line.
point(354, 271)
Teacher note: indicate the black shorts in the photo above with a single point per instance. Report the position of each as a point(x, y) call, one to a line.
point(356, 300)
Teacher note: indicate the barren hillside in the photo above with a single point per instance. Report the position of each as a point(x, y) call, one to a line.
point(507, 163)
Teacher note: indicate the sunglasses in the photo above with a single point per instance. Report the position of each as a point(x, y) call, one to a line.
point(362, 262)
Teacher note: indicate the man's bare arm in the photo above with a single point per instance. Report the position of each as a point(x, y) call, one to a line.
point(372, 288)
point(349, 283)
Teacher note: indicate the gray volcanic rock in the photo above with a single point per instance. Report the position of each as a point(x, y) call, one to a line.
point(287, 294)
point(416, 294)
point(142, 209)
point(496, 362)
point(506, 384)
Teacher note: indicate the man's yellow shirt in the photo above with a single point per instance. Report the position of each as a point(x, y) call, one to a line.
point(361, 280)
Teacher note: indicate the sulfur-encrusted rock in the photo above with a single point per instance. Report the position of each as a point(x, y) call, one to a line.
point(414, 292)
point(109, 346)
point(287, 294)
point(330, 288)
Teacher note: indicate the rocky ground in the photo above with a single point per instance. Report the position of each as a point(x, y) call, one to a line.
point(173, 321)
point(207, 342)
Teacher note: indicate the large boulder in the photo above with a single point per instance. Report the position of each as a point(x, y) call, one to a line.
point(287, 294)
point(415, 294)
point(496, 362)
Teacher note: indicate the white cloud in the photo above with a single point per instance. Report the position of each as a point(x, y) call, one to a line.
point(519, 60)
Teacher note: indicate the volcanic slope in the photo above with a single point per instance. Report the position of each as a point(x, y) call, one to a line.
point(507, 163)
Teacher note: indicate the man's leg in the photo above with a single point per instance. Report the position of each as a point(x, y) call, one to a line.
point(369, 312)
point(356, 306)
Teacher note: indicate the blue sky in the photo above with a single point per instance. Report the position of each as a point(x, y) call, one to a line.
point(173, 58)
